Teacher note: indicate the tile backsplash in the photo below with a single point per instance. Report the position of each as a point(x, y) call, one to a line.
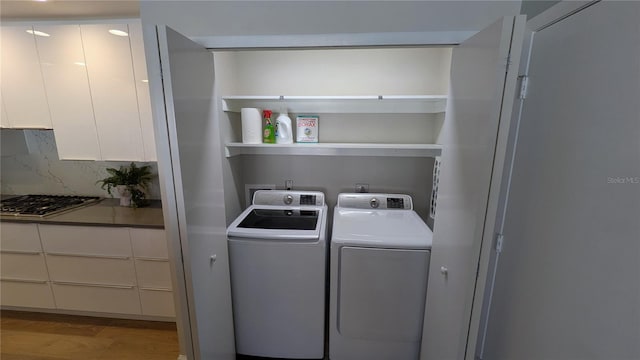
point(39, 171)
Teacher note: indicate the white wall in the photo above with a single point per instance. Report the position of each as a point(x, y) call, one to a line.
point(387, 71)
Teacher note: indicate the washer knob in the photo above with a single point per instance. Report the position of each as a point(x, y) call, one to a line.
point(288, 199)
point(374, 203)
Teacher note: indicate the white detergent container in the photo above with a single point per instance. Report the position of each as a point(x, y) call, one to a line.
point(284, 133)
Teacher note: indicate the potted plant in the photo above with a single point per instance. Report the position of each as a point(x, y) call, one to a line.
point(131, 182)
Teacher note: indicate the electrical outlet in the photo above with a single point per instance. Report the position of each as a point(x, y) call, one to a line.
point(288, 184)
point(362, 188)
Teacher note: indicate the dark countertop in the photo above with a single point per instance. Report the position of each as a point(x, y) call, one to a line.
point(107, 212)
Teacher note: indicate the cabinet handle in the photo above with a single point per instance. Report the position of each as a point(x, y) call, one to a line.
point(20, 252)
point(152, 259)
point(155, 289)
point(93, 285)
point(25, 280)
point(95, 256)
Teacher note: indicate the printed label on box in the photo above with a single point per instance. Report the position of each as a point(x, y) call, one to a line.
point(307, 128)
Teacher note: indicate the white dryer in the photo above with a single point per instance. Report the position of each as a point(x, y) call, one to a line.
point(380, 250)
point(277, 259)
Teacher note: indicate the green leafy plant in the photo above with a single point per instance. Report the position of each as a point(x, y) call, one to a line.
point(135, 179)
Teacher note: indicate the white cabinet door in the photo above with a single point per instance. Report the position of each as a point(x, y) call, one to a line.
point(142, 90)
point(23, 270)
point(67, 87)
point(86, 240)
point(153, 274)
point(474, 134)
point(119, 299)
point(27, 294)
point(157, 302)
point(4, 118)
point(91, 269)
point(113, 91)
point(22, 86)
point(20, 237)
point(20, 265)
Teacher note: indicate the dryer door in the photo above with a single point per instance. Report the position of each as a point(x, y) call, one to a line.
point(381, 293)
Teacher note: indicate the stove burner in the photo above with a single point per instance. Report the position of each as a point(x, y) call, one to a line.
point(43, 205)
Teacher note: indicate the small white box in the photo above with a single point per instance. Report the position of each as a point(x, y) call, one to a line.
point(307, 128)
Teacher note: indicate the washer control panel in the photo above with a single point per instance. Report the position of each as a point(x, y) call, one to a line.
point(288, 198)
point(375, 201)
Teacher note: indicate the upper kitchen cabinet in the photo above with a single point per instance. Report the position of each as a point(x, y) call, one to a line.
point(23, 94)
point(93, 88)
point(142, 90)
point(67, 86)
point(109, 65)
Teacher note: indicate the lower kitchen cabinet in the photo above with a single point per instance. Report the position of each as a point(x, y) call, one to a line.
point(23, 272)
point(116, 299)
point(88, 240)
point(157, 302)
point(23, 265)
point(91, 269)
point(26, 293)
point(106, 270)
point(153, 272)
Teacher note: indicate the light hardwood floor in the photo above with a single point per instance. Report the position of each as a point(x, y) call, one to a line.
point(37, 336)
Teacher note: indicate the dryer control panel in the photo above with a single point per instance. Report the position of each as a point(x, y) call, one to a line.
point(375, 201)
point(288, 198)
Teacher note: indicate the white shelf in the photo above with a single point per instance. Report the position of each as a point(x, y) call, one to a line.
point(383, 104)
point(334, 149)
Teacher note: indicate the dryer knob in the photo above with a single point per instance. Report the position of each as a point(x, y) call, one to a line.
point(288, 199)
point(374, 203)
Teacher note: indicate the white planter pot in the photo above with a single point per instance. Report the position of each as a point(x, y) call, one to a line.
point(125, 195)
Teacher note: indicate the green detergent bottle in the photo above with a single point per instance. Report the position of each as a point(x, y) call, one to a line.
point(269, 132)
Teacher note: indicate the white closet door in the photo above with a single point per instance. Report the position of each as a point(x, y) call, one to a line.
point(67, 87)
point(22, 86)
point(474, 137)
point(193, 181)
point(4, 118)
point(108, 59)
point(567, 282)
point(142, 90)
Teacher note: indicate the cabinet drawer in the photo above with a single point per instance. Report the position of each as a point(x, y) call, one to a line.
point(26, 294)
point(85, 240)
point(20, 237)
point(83, 297)
point(91, 270)
point(149, 243)
point(153, 274)
point(29, 266)
point(157, 303)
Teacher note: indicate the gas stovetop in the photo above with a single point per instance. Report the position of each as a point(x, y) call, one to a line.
point(43, 205)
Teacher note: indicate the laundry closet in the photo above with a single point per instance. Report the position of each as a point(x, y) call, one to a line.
point(380, 113)
point(387, 117)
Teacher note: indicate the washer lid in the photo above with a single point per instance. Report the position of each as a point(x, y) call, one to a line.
point(380, 228)
point(279, 223)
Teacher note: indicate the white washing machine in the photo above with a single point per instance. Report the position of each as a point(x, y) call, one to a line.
point(277, 258)
point(380, 251)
